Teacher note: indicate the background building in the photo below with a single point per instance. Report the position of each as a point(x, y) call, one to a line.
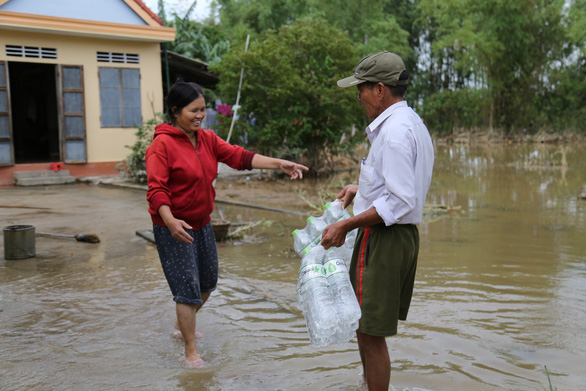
point(76, 77)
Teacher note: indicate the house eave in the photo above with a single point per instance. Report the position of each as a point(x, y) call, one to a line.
point(85, 28)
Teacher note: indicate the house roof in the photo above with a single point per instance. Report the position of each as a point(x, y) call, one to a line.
point(188, 69)
point(114, 19)
point(148, 10)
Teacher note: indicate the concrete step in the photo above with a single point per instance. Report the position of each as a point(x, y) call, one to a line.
point(42, 177)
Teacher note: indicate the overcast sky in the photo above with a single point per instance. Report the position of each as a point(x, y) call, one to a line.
point(201, 11)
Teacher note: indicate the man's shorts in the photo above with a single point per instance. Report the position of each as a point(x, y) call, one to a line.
point(190, 269)
point(382, 272)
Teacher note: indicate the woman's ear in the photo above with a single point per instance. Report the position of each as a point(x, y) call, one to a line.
point(174, 111)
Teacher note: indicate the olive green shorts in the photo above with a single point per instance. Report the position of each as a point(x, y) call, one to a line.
point(382, 272)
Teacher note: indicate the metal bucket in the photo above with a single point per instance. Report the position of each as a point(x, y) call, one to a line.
point(19, 242)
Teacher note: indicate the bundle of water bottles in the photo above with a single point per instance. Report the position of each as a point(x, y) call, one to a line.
point(324, 290)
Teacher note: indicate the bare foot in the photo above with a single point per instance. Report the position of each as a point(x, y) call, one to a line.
point(197, 363)
point(177, 334)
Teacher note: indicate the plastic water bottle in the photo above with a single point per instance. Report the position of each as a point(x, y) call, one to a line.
point(315, 298)
point(348, 246)
point(345, 302)
point(315, 227)
point(301, 239)
point(310, 236)
point(334, 211)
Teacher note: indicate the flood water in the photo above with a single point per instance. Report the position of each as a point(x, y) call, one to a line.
point(500, 292)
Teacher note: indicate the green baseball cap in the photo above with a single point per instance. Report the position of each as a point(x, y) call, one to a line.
point(383, 67)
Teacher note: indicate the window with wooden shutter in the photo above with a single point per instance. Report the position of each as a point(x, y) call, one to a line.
point(120, 97)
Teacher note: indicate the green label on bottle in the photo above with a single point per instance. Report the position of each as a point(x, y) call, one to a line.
point(335, 266)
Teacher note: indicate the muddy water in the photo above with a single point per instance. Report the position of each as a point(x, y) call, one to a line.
point(501, 291)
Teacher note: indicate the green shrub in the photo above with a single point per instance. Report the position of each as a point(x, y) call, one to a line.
point(133, 167)
point(448, 110)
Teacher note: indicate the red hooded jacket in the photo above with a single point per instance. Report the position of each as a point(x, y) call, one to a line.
point(181, 176)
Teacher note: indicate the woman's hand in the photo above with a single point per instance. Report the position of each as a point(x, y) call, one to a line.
point(348, 193)
point(292, 169)
point(176, 226)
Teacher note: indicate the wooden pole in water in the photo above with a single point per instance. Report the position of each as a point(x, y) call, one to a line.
point(237, 105)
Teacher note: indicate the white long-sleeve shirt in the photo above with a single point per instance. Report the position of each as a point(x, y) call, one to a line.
point(396, 175)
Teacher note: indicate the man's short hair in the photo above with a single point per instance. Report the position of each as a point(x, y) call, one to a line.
point(396, 91)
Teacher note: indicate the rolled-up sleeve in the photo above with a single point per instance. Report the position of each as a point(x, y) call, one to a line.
point(397, 170)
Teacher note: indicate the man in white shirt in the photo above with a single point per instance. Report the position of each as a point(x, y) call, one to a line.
point(389, 198)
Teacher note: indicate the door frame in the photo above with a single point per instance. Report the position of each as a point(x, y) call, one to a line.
point(9, 139)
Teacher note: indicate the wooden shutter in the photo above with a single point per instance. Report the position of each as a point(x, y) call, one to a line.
point(72, 114)
point(6, 146)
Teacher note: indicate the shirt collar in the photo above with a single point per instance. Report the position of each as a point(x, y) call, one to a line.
point(384, 115)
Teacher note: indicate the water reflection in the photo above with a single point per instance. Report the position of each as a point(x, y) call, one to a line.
point(500, 291)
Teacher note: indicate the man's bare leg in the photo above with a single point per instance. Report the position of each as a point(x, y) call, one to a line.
point(375, 360)
point(362, 359)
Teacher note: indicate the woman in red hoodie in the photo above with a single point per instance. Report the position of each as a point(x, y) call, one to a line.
point(181, 163)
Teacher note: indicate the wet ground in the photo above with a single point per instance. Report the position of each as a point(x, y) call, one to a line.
point(500, 292)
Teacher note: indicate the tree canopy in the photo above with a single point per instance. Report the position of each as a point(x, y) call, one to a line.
point(290, 89)
point(511, 66)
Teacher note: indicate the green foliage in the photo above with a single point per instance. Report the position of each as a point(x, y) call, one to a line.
point(133, 167)
point(199, 41)
point(290, 87)
point(449, 110)
point(258, 16)
point(563, 106)
point(523, 62)
point(577, 25)
point(505, 47)
point(386, 35)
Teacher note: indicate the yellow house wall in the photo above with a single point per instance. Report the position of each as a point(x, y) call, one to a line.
point(103, 144)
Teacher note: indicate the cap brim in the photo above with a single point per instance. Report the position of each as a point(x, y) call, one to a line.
point(349, 82)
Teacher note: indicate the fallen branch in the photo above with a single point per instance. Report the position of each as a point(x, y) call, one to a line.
point(243, 228)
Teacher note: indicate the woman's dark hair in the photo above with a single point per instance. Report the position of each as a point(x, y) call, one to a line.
point(181, 94)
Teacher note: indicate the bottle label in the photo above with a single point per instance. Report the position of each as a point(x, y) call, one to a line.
point(335, 266)
point(311, 271)
point(308, 272)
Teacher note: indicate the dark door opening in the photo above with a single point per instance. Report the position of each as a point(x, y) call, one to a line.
point(35, 124)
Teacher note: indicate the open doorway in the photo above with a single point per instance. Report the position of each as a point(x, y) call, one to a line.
point(35, 125)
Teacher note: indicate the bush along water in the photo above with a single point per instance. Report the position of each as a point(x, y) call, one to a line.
point(324, 290)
